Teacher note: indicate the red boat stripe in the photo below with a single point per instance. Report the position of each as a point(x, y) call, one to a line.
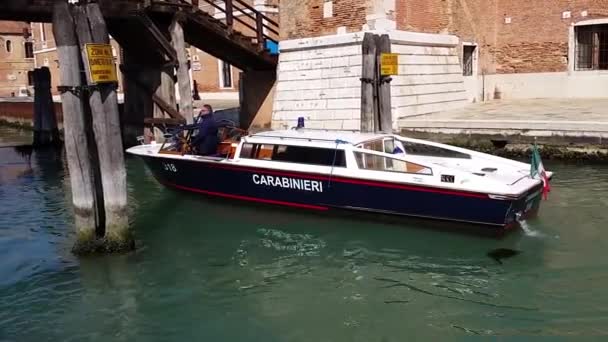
point(354, 181)
point(247, 198)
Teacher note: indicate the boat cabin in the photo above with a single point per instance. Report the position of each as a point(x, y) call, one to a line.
point(333, 149)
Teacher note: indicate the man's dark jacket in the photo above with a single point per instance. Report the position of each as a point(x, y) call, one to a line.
point(206, 139)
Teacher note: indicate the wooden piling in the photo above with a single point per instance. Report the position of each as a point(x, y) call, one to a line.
point(91, 28)
point(183, 76)
point(165, 92)
point(138, 100)
point(385, 117)
point(76, 145)
point(45, 122)
point(367, 83)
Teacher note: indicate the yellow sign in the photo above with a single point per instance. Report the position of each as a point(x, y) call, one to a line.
point(100, 62)
point(389, 64)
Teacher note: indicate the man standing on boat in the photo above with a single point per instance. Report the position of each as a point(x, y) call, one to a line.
point(206, 139)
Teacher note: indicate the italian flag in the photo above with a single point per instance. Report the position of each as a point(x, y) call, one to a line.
point(538, 170)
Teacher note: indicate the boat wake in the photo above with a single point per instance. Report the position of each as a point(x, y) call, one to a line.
point(528, 230)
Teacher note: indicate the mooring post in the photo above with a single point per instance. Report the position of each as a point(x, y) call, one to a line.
point(183, 76)
point(138, 101)
point(91, 28)
point(166, 92)
point(45, 121)
point(385, 117)
point(76, 145)
point(368, 83)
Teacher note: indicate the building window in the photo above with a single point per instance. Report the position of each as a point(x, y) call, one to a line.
point(29, 50)
point(30, 78)
point(9, 46)
point(591, 47)
point(226, 75)
point(468, 56)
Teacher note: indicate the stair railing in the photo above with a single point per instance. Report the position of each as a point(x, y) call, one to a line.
point(264, 27)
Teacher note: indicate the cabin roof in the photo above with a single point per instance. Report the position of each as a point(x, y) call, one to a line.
point(319, 135)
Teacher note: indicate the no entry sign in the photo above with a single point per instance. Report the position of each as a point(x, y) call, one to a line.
point(100, 60)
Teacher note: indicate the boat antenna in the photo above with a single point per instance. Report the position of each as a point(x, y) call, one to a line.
point(333, 163)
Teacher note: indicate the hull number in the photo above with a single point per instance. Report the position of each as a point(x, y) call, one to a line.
point(288, 183)
point(169, 167)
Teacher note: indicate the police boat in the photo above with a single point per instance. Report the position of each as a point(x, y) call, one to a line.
point(325, 170)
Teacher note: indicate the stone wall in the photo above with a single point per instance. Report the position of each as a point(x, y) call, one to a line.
point(430, 77)
point(319, 79)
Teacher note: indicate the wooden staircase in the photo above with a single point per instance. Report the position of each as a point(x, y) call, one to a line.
point(244, 48)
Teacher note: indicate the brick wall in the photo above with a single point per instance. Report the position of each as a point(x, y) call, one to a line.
point(208, 77)
point(535, 40)
point(431, 16)
point(304, 18)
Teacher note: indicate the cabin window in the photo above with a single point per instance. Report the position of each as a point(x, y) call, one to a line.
point(294, 154)
point(432, 151)
point(374, 145)
point(375, 162)
point(386, 145)
point(257, 151)
point(389, 145)
point(246, 151)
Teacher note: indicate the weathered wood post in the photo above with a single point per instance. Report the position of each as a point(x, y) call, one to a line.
point(183, 76)
point(138, 101)
point(45, 121)
point(385, 117)
point(91, 28)
point(166, 92)
point(367, 83)
point(76, 144)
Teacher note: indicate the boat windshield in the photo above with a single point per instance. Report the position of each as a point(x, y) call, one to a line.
point(384, 145)
point(401, 146)
point(378, 162)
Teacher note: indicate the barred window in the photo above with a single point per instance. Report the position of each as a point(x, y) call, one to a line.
point(591, 47)
point(468, 54)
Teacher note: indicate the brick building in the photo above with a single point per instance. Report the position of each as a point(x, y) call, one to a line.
point(451, 52)
point(16, 59)
point(513, 36)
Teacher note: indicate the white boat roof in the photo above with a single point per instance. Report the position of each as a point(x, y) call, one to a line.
point(351, 137)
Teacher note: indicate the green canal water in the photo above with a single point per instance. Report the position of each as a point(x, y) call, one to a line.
point(222, 271)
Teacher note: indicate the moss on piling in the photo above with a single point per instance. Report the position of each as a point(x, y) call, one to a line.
point(26, 126)
point(105, 245)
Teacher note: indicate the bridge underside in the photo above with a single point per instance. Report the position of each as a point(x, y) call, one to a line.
point(125, 25)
